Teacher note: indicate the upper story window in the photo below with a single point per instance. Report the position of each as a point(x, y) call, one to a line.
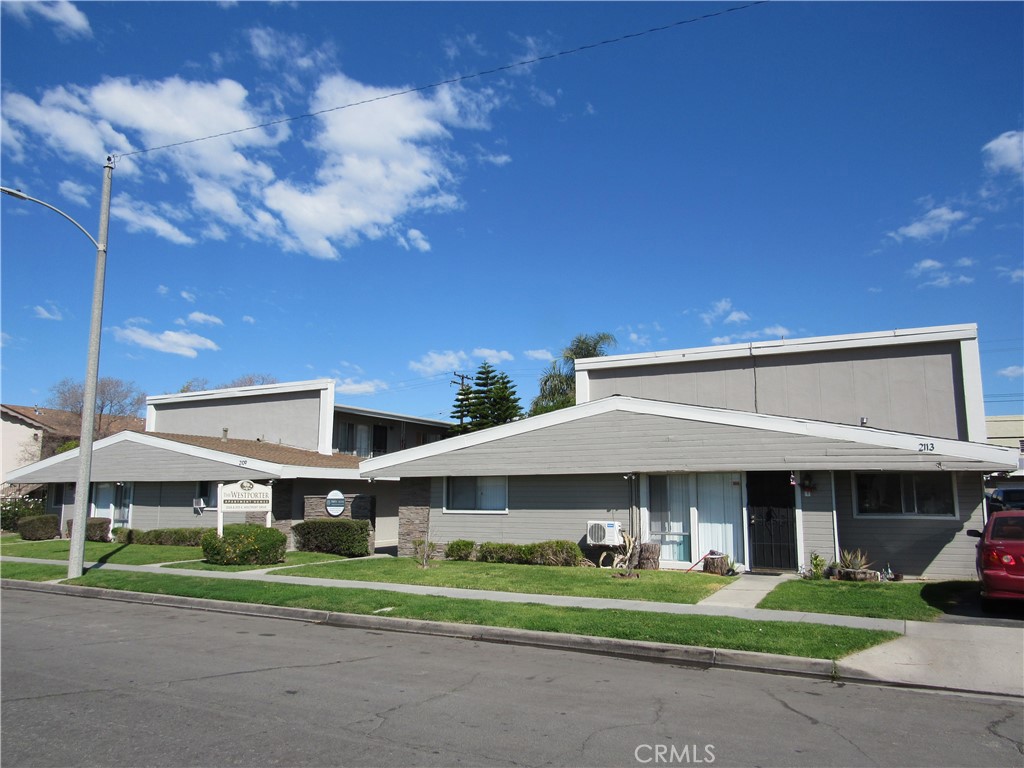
point(361, 439)
point(476, 494)
point(929, 494)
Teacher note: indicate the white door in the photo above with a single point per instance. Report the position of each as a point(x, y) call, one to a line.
point(720, 514)
point(112, 500)
point(668, 505)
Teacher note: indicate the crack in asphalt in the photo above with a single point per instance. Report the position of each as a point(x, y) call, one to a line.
point(814, 721)
point(991, 728)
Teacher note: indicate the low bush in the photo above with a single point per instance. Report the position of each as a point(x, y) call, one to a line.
point(565, 553)
point(12, 510)
point(39, 527)
point(460, 549)
point(244, 545)
point(96, 529)
point(349, 538)
point(167, 537)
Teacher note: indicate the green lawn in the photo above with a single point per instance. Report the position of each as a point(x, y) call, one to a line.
point(913, 601)
point(660, 586)
point(98, 551)
point(791, 639)
point(290, 558)
point(32, 571)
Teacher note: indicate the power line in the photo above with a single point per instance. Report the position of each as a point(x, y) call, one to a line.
point(453, 80)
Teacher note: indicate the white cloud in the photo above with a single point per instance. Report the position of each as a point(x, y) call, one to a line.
point(925, 265)
point(1013, 275)
point(189, 297)
point(718, 309)
point(493, 159)
point(417, 240)
point(946, 280)
point(353, 387)
point(249, 319)
point(965, 262)
point(1012, 372)
point(201, 318)
point(777, 330)
point(493, 356)
point(140, 216)
point(935, 223)
point(49, 312)
point(639, 339)
point(162, 290)
point(737, 317)
point(74, 192)
point(770, 332)
point(1005, 153)
point(538, 354)
point(184, 343)
point(438, 362)
point(68, 20)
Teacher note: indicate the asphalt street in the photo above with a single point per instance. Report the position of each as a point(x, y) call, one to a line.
point(102, 683)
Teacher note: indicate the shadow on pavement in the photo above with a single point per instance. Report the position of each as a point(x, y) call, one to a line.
point(960, 603)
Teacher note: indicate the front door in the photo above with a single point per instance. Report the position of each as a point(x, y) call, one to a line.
point(771, 512)
point(112, 500)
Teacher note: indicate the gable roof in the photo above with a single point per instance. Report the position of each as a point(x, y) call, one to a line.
point(156, 457)
point(626, 434)
point(70, 423)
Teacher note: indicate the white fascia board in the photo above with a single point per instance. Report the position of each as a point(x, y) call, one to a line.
point(255, 390)
point(293, 472)
point(393, 416)
point(974, 396)
point(786, 346)
point(194, 451)
point(326, 427)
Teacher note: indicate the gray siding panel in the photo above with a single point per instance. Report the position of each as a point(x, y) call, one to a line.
point(928, 547)
point(914, 389)
point(818, 530)
point(289, 418)
point(540, 509)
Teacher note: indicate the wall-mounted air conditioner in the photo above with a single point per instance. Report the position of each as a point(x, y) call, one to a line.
point(604, 533)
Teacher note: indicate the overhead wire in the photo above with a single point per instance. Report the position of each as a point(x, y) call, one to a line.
point(451, 80)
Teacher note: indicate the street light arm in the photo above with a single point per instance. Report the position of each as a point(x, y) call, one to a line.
point(22, 196)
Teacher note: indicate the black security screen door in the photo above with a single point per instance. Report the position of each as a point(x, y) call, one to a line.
point(771, 511)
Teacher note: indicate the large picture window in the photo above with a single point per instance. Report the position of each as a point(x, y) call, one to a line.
point(904, 493)
point(476, 494)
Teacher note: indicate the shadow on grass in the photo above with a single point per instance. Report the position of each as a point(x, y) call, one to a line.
point(963, 599)
point(103, 559)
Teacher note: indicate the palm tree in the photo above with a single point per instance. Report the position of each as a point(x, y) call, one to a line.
point(558, 383)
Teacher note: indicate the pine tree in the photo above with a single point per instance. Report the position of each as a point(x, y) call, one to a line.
point(492, 400)
point(481, 409)
point(460, 411)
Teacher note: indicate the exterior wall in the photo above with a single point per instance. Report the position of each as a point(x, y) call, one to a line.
point(930, 547)
point(20, 444)
point(309, 501)
point(539, 509)
point(289, 418)
point(916, 388)
point(416, 496)
point(358, 508)
point(169, 505)
point(817, 511)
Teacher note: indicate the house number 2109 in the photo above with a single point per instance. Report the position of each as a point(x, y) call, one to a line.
point(925, 447)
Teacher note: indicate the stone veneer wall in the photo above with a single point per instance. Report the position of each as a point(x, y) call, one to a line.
point(315, 507)
point(413, 513)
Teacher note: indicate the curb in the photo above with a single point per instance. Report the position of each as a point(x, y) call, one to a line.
point(662, 653)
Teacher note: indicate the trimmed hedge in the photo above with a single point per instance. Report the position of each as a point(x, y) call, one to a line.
point(349, 538)
point(13, 510)
point(96, 528)
point(39, 527)
point(168, 537)
point(558, 552)
point(460, 549)
point(244, 545)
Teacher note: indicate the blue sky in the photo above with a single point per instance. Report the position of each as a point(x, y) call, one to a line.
point(791, 169)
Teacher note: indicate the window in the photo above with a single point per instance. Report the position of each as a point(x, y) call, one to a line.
point(928, 494)
point(61, 494)
point(477, 494)
point(207, 491)
point(353, 439)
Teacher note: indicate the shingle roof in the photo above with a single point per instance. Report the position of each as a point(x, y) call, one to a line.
point(272, 452)
point(69, 423)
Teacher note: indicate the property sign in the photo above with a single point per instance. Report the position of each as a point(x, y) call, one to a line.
point(335, 503)
point(245, 496)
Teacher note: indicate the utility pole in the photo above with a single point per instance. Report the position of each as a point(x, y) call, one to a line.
point(462, 388)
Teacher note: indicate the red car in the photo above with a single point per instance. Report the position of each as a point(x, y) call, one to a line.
point(1000, 559)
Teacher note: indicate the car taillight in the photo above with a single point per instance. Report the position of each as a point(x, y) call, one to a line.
point(998, 559)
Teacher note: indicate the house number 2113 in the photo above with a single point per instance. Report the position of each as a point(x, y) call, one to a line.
point(925, 447)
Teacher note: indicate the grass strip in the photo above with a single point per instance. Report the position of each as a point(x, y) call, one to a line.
point(290, 559)
point(805, 640)
point(32, 571)
point(659, 586)
point(102, 552)
point(912, 601)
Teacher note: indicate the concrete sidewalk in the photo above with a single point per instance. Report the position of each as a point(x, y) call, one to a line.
point(976, 658)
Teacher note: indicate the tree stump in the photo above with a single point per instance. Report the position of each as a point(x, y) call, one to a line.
point(716, 564)
point(650, 556)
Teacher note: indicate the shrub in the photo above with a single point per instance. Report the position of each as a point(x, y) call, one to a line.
point(350, 538)
point(244, 545)
point(818, 566)
point(566, 553)
point(423, 550)
point(460, 549)
point(39, 527)
point(168, 537)
point(12, 510)
point(96, 528)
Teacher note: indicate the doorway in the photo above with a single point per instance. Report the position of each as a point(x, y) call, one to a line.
point(771, 513)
